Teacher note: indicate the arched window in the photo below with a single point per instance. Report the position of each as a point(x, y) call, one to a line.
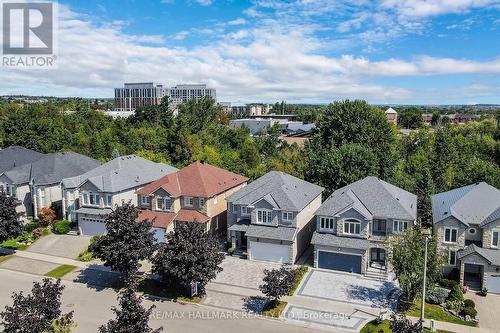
point(352, 227)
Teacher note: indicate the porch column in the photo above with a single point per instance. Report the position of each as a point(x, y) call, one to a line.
point(462, 272)
point(233, 239)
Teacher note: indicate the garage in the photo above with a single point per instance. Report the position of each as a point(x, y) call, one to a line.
point(269, 252)
point(339, 261)
point(493, 283)
point(91, 226)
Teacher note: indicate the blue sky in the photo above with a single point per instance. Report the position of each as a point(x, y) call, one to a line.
point(385, 51)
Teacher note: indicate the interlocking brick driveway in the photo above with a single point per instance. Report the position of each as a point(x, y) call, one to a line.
point(243, 273)
point(347, 288)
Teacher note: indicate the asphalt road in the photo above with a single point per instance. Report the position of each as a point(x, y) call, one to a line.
point(93, 308)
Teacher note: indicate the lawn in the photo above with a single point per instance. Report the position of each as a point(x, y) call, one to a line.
point(299, 273)
point(14, 244)
point(60, 271)
point(436, 312)
point(156, 288)
point(273, 310)
point(375, 327)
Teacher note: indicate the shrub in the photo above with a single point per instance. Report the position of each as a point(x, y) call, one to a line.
point(468, 303)
point(483, 292)
point(231, 251)
point(467, 311)
point(30, 227)
point(446, 283)
point(62, 227)
point(37, 233)
point(94, 239)
point(46, 216)
point(456, 294)
point(437, 295)
point(453, 305)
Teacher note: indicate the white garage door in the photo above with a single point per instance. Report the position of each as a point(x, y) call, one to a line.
point(493, 283)
point(91, 227)
point(270, 252)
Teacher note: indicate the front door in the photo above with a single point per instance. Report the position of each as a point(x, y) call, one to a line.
point(378, 255)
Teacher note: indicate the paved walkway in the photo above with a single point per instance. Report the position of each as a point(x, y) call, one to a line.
point(45, 257)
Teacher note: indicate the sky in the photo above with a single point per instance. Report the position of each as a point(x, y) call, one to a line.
point(301, 51)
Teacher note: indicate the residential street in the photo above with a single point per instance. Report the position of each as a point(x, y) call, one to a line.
point(93, 308)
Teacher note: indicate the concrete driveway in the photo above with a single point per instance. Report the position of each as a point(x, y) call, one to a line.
point(243, 273)
point(27, 265)
point(347, 288)
point(487, 309)
point(65, 246)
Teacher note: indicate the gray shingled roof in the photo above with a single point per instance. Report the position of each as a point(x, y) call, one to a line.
point(473, 204)
point(372, 197)
point(15, 156)
point(493, 256)
point(288, 192)
point(121, 173)
point(52, 168)
point(337, 241)
point(270, 232)
point(94, 211)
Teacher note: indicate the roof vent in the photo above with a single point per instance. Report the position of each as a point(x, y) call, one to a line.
point(445, 213)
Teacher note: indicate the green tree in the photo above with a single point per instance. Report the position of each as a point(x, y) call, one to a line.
point(406, 255)
point(410, 118)
point(10, 224)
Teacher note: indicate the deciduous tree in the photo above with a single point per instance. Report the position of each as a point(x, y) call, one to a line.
point(277, 282)
point(126, 242)
point(10, 224)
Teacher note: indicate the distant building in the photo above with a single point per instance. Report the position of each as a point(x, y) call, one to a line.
point(186, 92)
point(392, 116)
point(427, 118)
point(252, 109)
point(136, 95)
point(257, 125)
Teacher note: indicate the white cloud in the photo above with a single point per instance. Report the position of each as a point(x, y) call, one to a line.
point(268, 62)
point(422, 8)
point(205, 2)
point(181, 35)
point(238, 21)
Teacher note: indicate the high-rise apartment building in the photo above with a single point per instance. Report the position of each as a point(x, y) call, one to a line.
point(185, 92)
point(136, 95)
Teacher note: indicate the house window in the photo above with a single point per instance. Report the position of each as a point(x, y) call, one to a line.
point(352, 227)
point(109, 200)
point(85, 196)
point(450, 235)
point(287, 217)
point(245, 211)
point(327, 223)
point(42, 197)
point(494, 239)
point(144, 200)
point(163, 203)
point(10, 190)
point(452, 258)
point(264, 216)
point(201, 202)
point(94, 199)
point(400, 227)
point(188, 201)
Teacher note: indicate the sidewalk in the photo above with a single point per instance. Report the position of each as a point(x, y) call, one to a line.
point(455, 328)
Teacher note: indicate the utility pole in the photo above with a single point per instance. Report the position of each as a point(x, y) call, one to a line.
point(422, 309)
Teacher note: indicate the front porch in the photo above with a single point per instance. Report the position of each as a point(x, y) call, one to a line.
point(237, 235)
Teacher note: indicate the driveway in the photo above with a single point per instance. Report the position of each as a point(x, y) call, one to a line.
point(347, 288)
point(243, 273)
point(27, 265)
point(65, 246)
point(487, 309)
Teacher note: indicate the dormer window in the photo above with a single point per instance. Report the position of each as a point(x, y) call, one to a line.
point(327, 223)
point(264, 216)
point(352, 227)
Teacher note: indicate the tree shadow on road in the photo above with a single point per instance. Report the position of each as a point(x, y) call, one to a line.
point(95, 277)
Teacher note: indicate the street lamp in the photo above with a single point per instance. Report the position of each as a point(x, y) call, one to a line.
point(428, 235)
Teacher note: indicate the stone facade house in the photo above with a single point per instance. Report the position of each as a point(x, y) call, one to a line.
point(196, 193)
point(467, 225)
point(353, 224)
point(87, 198)
point(273, 217)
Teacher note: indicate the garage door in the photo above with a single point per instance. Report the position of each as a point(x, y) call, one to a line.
point(493, 283)
point(270, 252)
point(91, 227)
point(339, 262)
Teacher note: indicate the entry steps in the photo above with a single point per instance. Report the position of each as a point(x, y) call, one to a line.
point(376, 274)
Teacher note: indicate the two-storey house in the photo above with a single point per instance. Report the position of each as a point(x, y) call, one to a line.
point(89, 197)
point(467, 225)
point(354, 222)
point(272, 217)
point(37, 184)
point(196, 193)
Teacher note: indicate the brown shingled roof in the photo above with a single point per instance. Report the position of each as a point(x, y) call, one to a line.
point(159, 219)
point(197, 179)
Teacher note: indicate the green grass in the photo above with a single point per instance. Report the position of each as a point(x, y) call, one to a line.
point(375, 327)
point(5, 257)
point(156, 288)
point(436, 312)
point(13, 244)
point(274, 310)
point(299, 273)
point(85, 256)
point(60, 271)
